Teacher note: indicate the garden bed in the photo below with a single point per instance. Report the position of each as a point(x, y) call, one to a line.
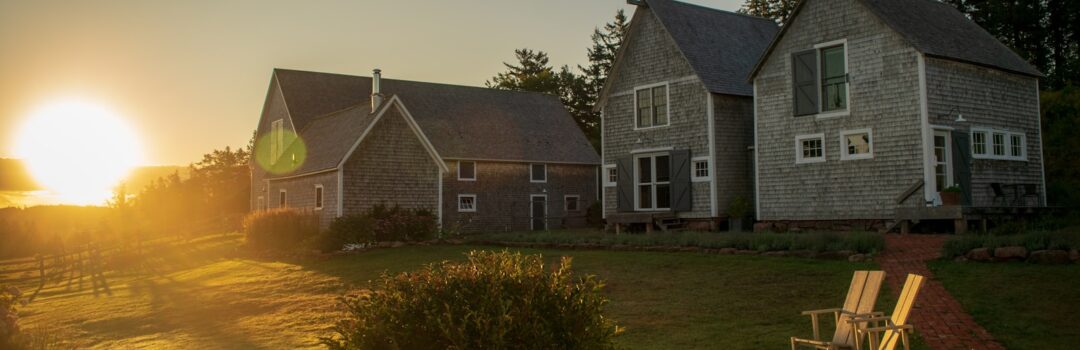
point(1038, 247)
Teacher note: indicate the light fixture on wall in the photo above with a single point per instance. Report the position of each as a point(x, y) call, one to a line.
point(959, 116)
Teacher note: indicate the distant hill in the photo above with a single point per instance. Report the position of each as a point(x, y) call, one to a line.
point(17, 186)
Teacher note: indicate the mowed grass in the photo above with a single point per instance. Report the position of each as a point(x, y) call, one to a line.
point(1025, 306)
point(215, 299)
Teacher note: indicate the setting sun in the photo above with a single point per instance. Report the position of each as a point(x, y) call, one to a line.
point(77, 150)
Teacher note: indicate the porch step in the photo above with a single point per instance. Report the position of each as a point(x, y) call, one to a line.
point(671, 224)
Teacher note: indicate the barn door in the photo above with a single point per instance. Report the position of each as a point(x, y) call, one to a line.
point(962, 165)
point(538, 212)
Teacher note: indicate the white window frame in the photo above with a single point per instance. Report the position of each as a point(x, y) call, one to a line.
point(820, 71)
point(655, 205)
point(608, 169)
point(667, 106)
point(531, 179)
point(694, 170)
point(319, 192)
point(462, 209)
point(869, 140)
point(988, 144)
point(277, 140)
point(459, 171)
point(566, 202)
point(799, 159)
point(283, 198)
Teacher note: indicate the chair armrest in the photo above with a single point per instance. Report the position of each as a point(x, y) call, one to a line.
point(903, 327)
point(865, 315)
point(823, 311)
point(858, 319)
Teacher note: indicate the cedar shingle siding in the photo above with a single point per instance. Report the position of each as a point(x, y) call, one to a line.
point(883, 41)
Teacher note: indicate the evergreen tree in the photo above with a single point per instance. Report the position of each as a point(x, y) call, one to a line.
point(778, 10)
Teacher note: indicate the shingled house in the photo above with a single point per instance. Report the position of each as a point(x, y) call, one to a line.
point(678, 115)
point(481, 159)
point(867, 109)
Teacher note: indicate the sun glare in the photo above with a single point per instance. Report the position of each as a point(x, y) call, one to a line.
point(78, 150)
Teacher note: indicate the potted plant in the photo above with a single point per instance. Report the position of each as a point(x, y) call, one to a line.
point(951, 195)
point(736, 212)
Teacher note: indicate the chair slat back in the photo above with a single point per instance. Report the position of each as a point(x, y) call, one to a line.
point(861, 297)
point(903, 310)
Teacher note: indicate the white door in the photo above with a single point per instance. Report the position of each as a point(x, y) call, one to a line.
point(942, 162)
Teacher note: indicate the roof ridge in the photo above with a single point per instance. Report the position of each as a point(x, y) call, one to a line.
point(420, 82)
point(721, 10)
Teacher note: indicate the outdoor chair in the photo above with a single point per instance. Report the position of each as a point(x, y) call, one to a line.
point(861, 296)
point(894, 329)
point(1030, 192)
point(999, 194)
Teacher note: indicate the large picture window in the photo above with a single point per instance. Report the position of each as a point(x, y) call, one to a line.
point(652, 106)
point(833, 79)
point(820, 80)
point(653, 182)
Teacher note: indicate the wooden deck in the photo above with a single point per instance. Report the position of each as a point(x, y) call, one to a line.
point(961, 215)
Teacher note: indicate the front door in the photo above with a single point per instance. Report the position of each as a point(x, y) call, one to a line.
point(942, 161)
point(538, 210)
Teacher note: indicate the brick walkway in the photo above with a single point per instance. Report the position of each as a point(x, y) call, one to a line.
point(937, 316)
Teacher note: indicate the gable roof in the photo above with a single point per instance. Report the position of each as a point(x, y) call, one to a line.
point(721, 46)
point(461, 122)
point(935, 29)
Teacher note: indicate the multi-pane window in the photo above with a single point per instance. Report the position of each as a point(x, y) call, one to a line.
point(538, 173)
point(466, 171)
point(833, 79)
point(810, 148)
point(998, 144)
point(611, 175)
point(654, 182)
point(572, 203)
point(466, 203)
point(701, 169)
point(652, 106)
point(318, 196)
point(978, 143)
point(856, 144)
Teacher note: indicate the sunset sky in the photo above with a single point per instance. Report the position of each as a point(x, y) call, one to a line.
point(190, 76)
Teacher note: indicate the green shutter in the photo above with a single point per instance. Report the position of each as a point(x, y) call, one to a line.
point(804, 73)
point(681, 198)
point(962, 164)
point(624, 184)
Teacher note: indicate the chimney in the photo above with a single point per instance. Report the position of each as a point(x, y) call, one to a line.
point(376, 92)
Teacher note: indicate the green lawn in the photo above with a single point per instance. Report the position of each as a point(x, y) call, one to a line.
point(1024, 306)
point(200, 299)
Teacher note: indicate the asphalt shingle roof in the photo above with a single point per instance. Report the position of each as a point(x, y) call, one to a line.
point(331, 111)
point(721, 46)
point(938, 29)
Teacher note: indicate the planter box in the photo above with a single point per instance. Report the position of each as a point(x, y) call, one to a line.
point(950, 198)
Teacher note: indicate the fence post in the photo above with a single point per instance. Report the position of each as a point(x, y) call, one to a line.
point(41, 270)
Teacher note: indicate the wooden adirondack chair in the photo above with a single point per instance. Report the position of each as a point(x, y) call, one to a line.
point(893, 329)
point(860, 301)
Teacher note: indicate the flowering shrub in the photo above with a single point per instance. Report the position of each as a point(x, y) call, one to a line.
point(494, 300)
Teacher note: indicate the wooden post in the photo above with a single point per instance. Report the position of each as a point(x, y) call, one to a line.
point(648, 227)
point(618, 229)
point(905, 227)
point(41, 270)
point(960, 226)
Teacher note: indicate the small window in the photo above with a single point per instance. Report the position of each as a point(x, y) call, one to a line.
point(467, 203)
point(978, 142)
point(833, 79)
point(611, 175)
point(538, 173)
point(283, 199)
point(466, 171)
point(700, 167)
point(1016, 144)
point(652, 106)
point(999, 144)
point(810, 148)
point(277, 139)
point(856, 144)
point(318, 197)
point(572, 203)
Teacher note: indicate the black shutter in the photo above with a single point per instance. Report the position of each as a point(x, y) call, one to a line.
point(962, 164)
point(804, 72)
point(681, 199)
point(624, 184)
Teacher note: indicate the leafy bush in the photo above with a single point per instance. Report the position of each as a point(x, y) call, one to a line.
point(9, 317)
point(380, 224)
point(494, 300)
point(279, 229)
